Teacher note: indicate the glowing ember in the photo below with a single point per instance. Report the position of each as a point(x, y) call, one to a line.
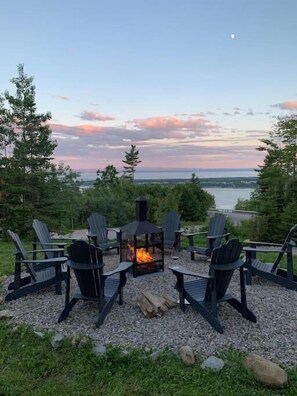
point(142, 256)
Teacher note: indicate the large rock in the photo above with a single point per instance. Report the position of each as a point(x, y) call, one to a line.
point(3, 278)
point(56, 340)
point(99, 349)
point(213, 363)
point(5, 314)
point(187, 355)
point(265, 371)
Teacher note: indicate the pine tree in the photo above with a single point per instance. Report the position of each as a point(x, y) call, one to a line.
point(277, 180)
point(26, 170)
point(131, 160)
point(107, 177)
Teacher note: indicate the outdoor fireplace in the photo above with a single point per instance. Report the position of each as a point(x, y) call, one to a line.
point(142, 243)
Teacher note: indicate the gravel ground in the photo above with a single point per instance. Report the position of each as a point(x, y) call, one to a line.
point(274, 336)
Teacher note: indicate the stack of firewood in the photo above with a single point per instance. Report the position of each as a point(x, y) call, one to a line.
point(151, 305)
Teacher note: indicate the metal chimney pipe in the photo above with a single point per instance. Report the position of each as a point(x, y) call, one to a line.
point(141, 209)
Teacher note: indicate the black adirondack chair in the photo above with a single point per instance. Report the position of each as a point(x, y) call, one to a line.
point(216, 231)
point(206, 291)
point(171, 229)
point(102, 288)
point(98, 233)
point(41, 273)
point(272, 271)
point(44, 239)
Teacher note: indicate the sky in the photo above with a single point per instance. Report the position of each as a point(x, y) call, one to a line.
point(192, 83)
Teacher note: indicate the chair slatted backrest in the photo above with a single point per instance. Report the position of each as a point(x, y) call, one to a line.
point(224, 256)
point(43, 236)
point(20, 250)
point(284, 247)
point(216, 226)
point(97, 225)
point(170, 224)
point(89, 273)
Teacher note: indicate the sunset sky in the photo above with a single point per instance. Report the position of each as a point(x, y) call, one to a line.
point(192, 83)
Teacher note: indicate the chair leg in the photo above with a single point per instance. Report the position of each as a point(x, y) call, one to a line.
point(243, 310)
point(182, 304)
point(28, 289)
point(17, 276)
point(103, 311)
point(121, 296)
point(22, 282)
point(64, 314)
point(211, 319)
point(241, 307)
point(58, 285)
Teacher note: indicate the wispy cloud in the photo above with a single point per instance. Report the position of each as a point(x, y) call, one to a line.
point(92, 116)
point(61, 97)
point(288, 105)
point(257, 134)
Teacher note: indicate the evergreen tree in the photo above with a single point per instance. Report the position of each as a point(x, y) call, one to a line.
point(25, 171)
point(107, 177)
point(131, 160)
point(194, 179)
point(277, 184)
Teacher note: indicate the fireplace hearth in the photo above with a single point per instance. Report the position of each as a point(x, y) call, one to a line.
point(142, 243)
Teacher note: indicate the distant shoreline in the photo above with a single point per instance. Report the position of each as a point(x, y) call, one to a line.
point(214, 182)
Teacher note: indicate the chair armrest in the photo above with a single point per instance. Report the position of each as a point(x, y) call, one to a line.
point(117, 230)
point(123, 267)
point(49, 243)
point(191, 234)
point(264, 249)
point(184, 271)
point(90, 234)
point(64, 239)
point(218, 236)
point(46, 250)
point(261, 243)
point(180, 231)
point(46, 261)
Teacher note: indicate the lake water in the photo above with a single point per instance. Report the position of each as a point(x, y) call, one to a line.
point(181, 173)
point(225, 198)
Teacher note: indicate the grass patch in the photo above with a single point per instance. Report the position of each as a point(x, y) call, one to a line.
point(7, 258)
point(29, 366)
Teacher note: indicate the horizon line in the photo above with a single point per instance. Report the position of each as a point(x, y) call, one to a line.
point(147, 169)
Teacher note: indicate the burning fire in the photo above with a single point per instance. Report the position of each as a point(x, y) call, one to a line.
point(142, 256)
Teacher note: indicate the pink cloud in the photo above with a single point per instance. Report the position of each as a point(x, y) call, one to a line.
point(92, 116)
point(288, 105)
point(77, 129)
point(170, 123)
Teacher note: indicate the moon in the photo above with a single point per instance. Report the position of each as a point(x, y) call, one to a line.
point(232, 35)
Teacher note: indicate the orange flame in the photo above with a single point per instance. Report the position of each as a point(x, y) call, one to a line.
point(142, 256)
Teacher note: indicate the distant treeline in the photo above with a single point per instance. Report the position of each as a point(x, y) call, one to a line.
point(218, 182)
